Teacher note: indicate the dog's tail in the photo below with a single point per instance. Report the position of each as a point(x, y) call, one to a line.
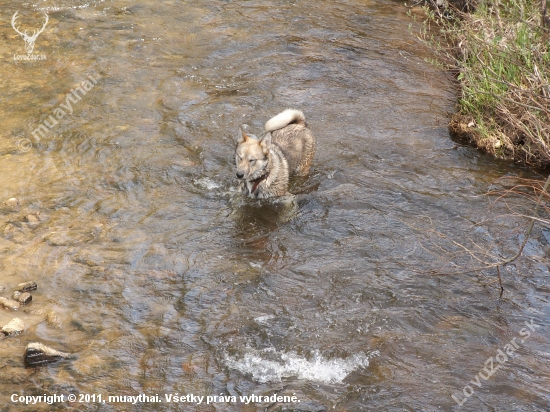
point(285, 118)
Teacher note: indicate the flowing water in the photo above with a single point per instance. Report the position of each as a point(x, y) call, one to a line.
point(162, 280)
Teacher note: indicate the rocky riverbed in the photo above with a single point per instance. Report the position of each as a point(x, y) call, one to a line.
point(35, 353)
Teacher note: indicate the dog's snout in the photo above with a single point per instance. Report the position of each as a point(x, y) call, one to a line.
point(240, 175)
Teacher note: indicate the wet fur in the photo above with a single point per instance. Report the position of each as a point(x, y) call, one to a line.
point(265, 166)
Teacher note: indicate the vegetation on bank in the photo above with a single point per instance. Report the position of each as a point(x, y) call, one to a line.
point(500, 52)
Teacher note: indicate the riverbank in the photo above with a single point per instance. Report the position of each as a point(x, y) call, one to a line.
point(500, 53)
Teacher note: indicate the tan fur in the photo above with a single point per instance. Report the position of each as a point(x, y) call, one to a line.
point(265, 166)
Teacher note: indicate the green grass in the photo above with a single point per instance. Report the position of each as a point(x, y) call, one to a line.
point(501, 53)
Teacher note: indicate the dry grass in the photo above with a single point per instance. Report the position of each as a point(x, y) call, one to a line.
point(501, 55)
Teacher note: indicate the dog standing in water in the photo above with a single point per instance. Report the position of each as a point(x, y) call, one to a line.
point(265, 166)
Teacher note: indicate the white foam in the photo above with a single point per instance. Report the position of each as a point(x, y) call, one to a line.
point(318, 369)
point(207, 183)
point(264, 318)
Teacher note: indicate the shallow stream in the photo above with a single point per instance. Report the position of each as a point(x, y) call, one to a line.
point(163, 280)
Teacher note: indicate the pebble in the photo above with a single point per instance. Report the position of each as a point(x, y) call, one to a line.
point(12, 203)
point(39, 354)
point(9, 230)
point(32, 219)
point(15, 327)
point(53, 320)
point(27, 286)
point(9, 304)
point(22, 297)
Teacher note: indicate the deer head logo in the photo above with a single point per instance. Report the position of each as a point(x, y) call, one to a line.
point(29, 40)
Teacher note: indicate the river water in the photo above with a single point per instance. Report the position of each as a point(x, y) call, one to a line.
point(162, 280)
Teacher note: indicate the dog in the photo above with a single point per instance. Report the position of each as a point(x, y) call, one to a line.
point(265, 166)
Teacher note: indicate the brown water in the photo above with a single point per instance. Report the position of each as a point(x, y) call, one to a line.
point(162, 280)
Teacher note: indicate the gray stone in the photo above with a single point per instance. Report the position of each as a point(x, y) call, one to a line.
point(54, 320)
point(38, 354)
point(22, 297)
point(15, 327)
point(12, 203)
point(9, 304)
point(27, 286)
point(32, 219)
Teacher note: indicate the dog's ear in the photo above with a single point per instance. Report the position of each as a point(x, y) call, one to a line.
point(266, 143)
point(242, 136)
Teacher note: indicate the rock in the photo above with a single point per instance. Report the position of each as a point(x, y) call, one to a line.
point(22, 298)
point(27, 286)
point(89, 365)
point(36, 312)
point(12, 203)
point(15, 327)
point(32, 219)
point(9, 230)
point(53, 320)
point(38, 354)
point(9, 304)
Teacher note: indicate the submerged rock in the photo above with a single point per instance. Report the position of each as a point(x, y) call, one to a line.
point(37, 312)
point(15, 327)
point(33, 219)
point(53, 320)
point(12, 203)
point(9, 230)
point(27, 286)
point(38, 354)
point(9, 304)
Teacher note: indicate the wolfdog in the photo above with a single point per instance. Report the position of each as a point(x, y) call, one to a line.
point(265, 166)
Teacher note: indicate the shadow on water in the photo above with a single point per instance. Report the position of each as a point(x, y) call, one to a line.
point(256, 220)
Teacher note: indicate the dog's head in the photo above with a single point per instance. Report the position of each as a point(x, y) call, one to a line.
point(251, 156)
